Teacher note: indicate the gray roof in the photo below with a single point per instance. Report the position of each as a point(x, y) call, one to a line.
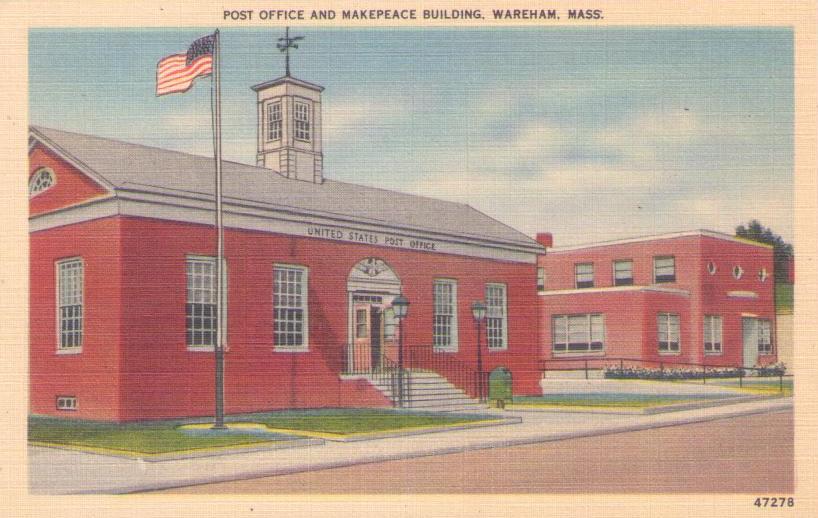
point(126, 165)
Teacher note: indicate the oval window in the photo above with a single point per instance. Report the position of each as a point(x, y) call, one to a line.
point(738, 271)
point(711, 268)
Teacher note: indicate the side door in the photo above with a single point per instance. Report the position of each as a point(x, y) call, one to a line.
point(749, 336)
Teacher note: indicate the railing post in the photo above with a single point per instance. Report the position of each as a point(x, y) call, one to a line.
point(586, 369)
point(621, 365)
point(781, 382)
point(741, 378)
point(704, 375)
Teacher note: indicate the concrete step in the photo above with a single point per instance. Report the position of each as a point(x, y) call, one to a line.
point(451, 394)
point(430, 391)
point(427, 405)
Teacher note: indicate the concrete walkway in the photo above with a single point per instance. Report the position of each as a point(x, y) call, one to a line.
point(53, 471)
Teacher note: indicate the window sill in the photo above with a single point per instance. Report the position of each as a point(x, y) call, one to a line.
point(69, 352)
point(670, 353)
point(202, 349)
point(498, 349)
point(291, 349)
point(442, 350)
point(713, 353)
point(577, 354)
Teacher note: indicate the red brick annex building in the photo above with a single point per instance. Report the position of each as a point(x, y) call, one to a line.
point(122, 277)
point(698, 297)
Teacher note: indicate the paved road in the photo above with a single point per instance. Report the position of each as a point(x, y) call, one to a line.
point(747, 454)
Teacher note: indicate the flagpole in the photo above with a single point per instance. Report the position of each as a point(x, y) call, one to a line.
point(220, 289)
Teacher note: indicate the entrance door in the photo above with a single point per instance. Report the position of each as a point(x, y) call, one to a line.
point(749, 333)
point(376, 335)
point(362, 332)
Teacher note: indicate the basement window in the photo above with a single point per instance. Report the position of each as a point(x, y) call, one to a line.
point(66, 402)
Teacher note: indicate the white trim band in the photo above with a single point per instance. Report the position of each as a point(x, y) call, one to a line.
point(614, 289)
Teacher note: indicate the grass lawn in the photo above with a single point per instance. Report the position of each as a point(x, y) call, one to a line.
point(145, 438)
point(158, 437)
point(761, 386)
point(610, 400)
point(354, 421)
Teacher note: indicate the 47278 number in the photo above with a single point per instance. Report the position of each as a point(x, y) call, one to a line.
point(773, 501)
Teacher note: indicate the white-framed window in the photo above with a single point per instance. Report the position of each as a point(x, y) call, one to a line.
point(540, 279)
point(67, 403)
point(763, 275)
point(664, 269)
point(668, 333)
point(765, 339)
point(274, 118)
point(584, 275)
point(444, 332)
point(738, 272)
point(70, 274)
point(496, 316)
point(712, 268)
point(201, 321)
point(712, 334)
point(290, 307)
point(390, 324)
point(578, 333)
point(302, 118)
point(623, 272)
point(42, 180)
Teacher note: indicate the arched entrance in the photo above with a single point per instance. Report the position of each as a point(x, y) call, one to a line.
point(500, 385)
point(371, 286)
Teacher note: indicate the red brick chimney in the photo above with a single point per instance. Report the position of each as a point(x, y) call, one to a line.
point(545, 239)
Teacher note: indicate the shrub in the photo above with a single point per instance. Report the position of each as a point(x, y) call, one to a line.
point(775, 369)
point(655, 373)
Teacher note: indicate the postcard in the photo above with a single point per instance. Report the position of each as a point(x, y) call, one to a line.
point(410, 259)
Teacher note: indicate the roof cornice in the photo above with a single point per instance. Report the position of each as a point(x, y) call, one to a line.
point(287, 79)
point(660, 237)
point(68, 157)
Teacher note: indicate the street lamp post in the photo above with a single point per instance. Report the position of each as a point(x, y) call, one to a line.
point(478, 311)
point(400, 306)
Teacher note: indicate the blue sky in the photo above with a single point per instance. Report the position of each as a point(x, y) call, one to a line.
point(589, 134)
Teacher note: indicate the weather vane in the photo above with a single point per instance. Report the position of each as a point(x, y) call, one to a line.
point(284, 45)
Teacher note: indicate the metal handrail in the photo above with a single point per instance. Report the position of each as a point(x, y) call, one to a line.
point(387, 372)
point(460, 374)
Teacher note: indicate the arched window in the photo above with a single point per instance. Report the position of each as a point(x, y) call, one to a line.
point(42, 180)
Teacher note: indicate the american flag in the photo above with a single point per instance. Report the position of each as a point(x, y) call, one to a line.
point(175, 73)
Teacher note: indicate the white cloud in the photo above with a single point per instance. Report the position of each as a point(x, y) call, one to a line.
point(525, 182)
point(344, 117)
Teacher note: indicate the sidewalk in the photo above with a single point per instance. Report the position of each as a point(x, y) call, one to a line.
point(53, 471)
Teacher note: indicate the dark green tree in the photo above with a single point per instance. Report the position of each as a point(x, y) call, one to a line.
point(782, 251)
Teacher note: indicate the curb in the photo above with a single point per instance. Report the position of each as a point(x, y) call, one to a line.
point(661, 409)
point(185, 454)
point(420, 431)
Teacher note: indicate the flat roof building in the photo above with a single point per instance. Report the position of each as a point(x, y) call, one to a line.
point(697, 297)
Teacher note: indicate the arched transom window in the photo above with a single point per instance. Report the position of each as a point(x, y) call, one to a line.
point(42, 180)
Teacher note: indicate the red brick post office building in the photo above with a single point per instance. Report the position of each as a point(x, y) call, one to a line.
point(697, 297)
point(122, 251)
